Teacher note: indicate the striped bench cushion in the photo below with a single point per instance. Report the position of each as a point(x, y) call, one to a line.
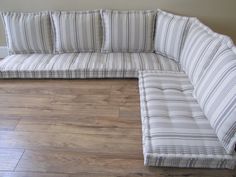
point(200, 47)
point(175, 131)
point(128, 31)
point(216, 94)
point(171, 31)
point(78, 31)
point(28, 32)
point(83, 65)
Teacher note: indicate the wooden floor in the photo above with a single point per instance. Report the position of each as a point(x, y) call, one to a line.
point(76, 128)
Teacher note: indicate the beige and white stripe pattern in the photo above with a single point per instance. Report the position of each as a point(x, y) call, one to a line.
point(171, 31)
point(128, 31)
point(77, 31)
point(216, 94)
point(28, 32)
point(83, 65)
point(199, 49)
point(176, 132)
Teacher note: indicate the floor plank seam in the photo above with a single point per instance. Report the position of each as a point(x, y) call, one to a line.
point(18, 121)
point(19, 160)
point(64, 133)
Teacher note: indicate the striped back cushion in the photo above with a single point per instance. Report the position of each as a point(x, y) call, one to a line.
point(200, 47)
point(28, 32)
point(77, 31)
point(170, 34)
point(128, 31)
point(216, 94)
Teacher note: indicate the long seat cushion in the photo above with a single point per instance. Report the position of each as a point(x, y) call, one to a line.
point(176, 132)
point(83, 65)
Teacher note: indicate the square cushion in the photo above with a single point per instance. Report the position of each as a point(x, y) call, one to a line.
point(28, 32)
point(175, 130)
point(128, 31)
point(170, 34)
point(199, 49)
point(77, 31)
point(216, 94)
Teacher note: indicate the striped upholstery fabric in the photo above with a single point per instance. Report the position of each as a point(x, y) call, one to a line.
point(170, 34)
point(200, 47)
point(83, 65)
point(28, 32)
point(77, 31)
point(128, 31)
point(216, 94)
point(175, 131)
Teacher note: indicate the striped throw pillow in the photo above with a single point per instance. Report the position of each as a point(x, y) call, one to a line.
point(28, 32)
point(128, 31)
point(216, 94)
point(170, 34)
point(200, 47)
point(77, 31)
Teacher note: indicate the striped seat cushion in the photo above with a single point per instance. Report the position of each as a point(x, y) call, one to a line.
point(170, 34)
point(83, 65)
point(200, 47)
point(77, 31)
point(28, 32)
point(216, 94)
point(128, 31)
point(176, 132)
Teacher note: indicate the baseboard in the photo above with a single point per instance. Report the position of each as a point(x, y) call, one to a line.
point(3, 51)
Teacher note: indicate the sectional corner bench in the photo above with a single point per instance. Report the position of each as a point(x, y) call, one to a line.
point(186, 72)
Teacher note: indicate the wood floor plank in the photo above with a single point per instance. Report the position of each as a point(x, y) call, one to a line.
point(46, 90)
point(8, 124)
point(113, 175)
point(9, 158)
point(125, 95)
point(130, 112)
point(88, 125)
point(31, 174)
point(106, 144)
point(60, 111)
point(74, 162)
point(71, 101)
point(127, 89)
point(124, 100)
